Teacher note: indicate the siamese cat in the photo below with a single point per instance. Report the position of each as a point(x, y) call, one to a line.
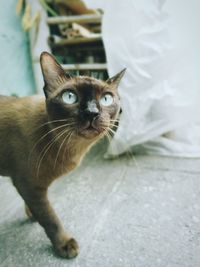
point(42, 138)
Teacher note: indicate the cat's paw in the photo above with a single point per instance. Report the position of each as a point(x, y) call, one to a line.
point(69, 250)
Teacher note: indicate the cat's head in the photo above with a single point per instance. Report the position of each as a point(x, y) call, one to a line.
point(91, 105)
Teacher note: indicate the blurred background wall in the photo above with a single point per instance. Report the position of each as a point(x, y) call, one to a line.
point(16, 69)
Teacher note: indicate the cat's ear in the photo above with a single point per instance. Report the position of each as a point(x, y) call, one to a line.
point(53, 74)
point(115, 80)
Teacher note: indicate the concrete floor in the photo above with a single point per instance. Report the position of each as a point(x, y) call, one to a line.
point(123, 214)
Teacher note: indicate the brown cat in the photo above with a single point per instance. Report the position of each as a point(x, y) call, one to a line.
point(41, 139)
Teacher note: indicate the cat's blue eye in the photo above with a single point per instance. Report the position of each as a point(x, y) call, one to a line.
point(106, 100)
point(69, 97)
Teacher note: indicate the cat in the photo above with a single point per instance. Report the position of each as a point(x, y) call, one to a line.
point(42, 138)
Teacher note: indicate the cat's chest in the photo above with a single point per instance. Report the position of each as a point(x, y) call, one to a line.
point(69, 159)
point(70, 163)
point(60, 159)
point(53, 168)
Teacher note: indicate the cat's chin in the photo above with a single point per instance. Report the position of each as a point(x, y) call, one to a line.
point(90, 133)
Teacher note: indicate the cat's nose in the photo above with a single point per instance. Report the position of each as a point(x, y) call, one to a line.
point(91, 114)
point(91, 111)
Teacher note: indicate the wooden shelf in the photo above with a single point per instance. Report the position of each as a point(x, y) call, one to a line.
point(96, 18)
point(79, 40)
point(94, 66)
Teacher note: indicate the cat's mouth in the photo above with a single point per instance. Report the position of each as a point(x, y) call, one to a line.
point(91, 130)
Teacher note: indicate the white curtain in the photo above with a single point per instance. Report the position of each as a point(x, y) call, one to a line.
point(158, 41)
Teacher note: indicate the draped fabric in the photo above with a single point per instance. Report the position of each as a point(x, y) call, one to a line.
point(158, 42)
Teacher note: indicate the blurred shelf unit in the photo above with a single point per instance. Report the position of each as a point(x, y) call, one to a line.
point(75, 38)
point(72, 33)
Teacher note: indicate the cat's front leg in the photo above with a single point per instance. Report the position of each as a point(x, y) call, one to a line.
point(39, 206)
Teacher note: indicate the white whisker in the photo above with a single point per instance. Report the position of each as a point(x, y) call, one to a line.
point(57, 155)
point(54, 121)
point(66, 149)
point(47, 147)
point(52, 130)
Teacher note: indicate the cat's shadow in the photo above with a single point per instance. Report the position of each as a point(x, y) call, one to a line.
point(26, 234)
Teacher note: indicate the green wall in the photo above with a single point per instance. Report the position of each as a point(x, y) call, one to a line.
point(16, 76)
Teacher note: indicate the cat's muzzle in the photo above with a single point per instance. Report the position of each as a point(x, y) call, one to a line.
point(92, 128)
